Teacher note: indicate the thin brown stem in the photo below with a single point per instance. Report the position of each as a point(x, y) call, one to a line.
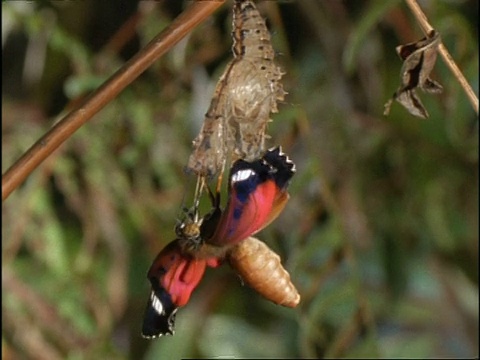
point(425, 25)
point(180, 27)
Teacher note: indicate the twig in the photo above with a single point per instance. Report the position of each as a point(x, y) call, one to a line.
point(39, 151)
point(423, 21)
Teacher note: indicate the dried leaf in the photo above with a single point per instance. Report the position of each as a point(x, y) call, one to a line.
point(419, 59)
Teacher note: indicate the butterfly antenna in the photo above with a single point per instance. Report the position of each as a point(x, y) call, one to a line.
point(219, 184)
point(214, 197)
point(198, 192)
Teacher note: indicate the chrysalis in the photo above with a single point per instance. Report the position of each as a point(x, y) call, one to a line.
point(246, 94)
point(418, 61)
point(254, 81)
point(261, 269)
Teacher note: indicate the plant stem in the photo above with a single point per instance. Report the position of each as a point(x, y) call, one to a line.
point(38, 152)
point(425, 25)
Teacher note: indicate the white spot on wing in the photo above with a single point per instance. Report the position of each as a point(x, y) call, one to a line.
point(156, 303)
point(242, 175)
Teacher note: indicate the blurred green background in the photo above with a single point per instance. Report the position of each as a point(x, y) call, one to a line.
point(380, 235)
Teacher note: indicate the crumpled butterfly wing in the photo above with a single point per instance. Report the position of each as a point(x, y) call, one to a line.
point(257, 195)
point(248, 211)
point(160, 313)
point(173, 277)
point(277, 207)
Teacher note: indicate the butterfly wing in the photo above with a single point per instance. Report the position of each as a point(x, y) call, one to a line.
point(159, 318)
point(173, 276)
point(245, 215)
point(257, 195)
point(277, 207)
point(285, 169)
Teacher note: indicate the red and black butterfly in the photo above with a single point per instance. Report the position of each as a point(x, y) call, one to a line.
point(176, 272)
point(257, 194)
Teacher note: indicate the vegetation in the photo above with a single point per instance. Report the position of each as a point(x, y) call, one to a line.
point(380, 235)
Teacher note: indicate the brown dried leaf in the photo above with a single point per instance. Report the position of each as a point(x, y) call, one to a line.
point(419, 59)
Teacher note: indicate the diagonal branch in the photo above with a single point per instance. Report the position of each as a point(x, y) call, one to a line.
point(180, 27)
point(425, 25)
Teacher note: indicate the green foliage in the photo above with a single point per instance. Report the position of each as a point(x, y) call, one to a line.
point(380, 235)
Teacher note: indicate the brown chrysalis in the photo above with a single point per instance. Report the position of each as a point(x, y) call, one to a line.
point(418, 61)
point(245, 95)
point(261, 269)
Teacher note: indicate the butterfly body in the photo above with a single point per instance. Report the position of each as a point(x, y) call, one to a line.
point(261, 269)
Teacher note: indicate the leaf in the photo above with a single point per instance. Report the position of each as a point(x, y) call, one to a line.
point(419, 59)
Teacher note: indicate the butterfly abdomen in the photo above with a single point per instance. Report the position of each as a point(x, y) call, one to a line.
point(261, 269)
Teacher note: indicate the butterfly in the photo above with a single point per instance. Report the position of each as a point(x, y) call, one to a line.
point(257, 194)
point(177, 270)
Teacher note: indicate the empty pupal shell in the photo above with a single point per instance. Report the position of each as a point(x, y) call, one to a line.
point(236, 122)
